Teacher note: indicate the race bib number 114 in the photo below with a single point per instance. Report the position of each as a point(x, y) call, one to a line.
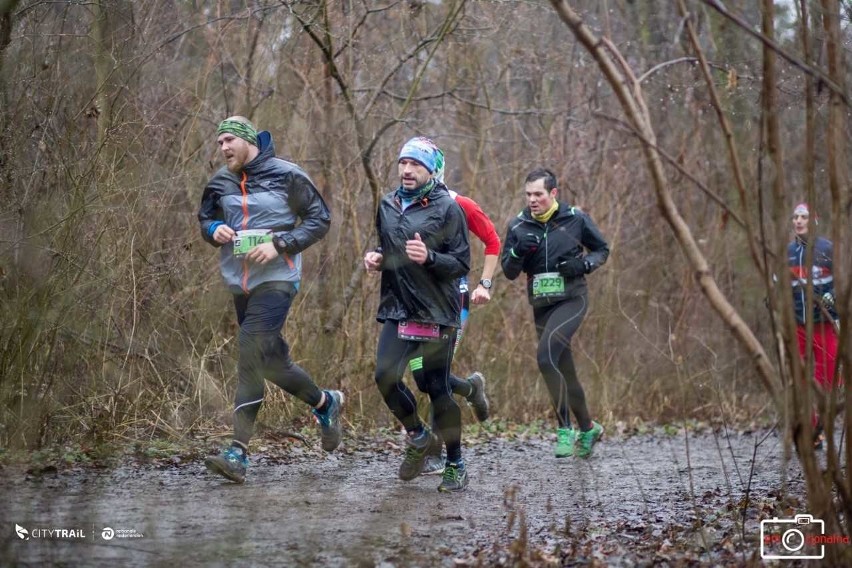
point(247, 240)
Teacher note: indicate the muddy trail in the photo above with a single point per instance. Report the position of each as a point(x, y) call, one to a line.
point(675, 497)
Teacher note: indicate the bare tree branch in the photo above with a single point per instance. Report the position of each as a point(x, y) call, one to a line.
point(633, 104)
point(773, 45)
point(733, 155)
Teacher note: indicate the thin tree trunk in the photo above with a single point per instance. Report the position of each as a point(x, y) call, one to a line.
point(839, 185)
point(102, 68)
point(629, 94)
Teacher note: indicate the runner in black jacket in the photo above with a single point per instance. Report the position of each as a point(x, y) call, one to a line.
point(423, 251)
point(547, 241)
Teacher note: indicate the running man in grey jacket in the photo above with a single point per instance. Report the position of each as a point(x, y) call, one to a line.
point(262, 212)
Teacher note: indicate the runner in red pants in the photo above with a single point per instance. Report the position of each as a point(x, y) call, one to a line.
point(821, 311)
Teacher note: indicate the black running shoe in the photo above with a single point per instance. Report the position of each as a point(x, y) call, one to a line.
point(819, 435)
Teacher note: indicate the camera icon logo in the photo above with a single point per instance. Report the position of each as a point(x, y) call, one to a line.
point(801, 537)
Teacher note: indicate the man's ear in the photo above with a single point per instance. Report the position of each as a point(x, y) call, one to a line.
point(554, 191)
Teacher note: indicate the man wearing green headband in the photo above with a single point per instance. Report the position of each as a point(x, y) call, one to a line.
point(262, 212)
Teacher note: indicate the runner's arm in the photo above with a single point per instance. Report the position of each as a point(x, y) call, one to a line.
point(595, 243)
point(306, 201)
point(210, 215)
point(511, 262)
point(481, 225)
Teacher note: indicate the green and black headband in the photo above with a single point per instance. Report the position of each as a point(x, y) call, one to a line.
point(244, 130)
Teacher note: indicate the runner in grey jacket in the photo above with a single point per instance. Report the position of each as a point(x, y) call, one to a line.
point(268, 194)
point(262, 212)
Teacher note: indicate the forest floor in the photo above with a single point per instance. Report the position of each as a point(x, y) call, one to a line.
point(668, 495)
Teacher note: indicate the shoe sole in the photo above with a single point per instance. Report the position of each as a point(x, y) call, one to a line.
point(486, 412)
point(215, 467)
point(442, 489)
point(410, 477)
point(417, 473)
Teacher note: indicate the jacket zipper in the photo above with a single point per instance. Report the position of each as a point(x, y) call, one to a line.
point(245, 225)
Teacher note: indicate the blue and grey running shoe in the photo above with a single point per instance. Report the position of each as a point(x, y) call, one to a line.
point(230, 464)
point(329, 421)
point(454, 479)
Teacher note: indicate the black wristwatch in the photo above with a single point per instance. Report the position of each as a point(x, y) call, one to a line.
point(485, 283)
point(279, 244)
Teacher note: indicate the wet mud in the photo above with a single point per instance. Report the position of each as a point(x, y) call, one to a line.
point(640, 499)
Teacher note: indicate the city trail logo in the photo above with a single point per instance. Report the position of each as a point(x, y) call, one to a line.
point(48, 533)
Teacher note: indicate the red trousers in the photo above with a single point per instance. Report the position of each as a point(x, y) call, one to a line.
point(825, 352)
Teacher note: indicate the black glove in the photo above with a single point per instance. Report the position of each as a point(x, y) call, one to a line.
point(828, 300)
point(527, 244)
point(572, 268)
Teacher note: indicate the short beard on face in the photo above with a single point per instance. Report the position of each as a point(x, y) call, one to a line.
point(234, 165)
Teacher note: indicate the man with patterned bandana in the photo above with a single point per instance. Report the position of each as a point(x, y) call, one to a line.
point(473, 387)
point(262, 212)
point(423, 251)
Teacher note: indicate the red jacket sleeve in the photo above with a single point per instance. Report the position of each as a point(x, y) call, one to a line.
point(480, 224)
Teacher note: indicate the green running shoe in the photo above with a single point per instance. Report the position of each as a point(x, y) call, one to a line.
point(566, 438)
point(455, 478)
point(585, 440)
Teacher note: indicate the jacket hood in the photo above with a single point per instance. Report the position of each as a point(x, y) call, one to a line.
point(266, 148)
